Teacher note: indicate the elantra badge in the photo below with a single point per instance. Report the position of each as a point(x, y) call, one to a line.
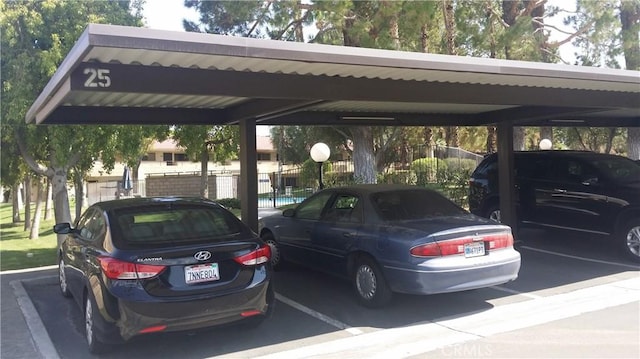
point(202, 255)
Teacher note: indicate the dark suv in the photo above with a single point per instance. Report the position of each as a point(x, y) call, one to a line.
point(573, 190)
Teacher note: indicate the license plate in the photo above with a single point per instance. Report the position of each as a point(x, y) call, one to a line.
point(201, 273)
point(474, 249)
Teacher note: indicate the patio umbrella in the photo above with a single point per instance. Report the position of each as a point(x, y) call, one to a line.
point(127, 184)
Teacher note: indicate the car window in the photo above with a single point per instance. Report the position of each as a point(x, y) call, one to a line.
point(570, 170)
point(91, 225)
point(313, 207)
point(413, 204)
point(619, 169)
point(344, 208)
point(175, 223)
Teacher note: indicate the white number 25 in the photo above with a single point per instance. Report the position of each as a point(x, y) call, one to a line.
point(97, 77)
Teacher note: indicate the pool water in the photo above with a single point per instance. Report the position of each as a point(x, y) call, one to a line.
point(280, 201)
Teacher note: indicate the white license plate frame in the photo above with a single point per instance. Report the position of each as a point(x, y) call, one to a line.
point(201, 273)
point(474, 249)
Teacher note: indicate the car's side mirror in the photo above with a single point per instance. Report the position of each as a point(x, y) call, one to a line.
point(62, 228)
point(289, 212)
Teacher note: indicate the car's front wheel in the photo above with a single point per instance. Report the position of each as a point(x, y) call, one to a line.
point(276, 254)
point(369, 283)
point(493, 213)
point(62, 279)
point(629, 238)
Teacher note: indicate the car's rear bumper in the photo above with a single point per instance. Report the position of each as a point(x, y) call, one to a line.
point(448, 274)
point(208, 311)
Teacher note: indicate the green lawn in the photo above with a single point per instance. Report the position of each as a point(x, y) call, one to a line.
point(17, 251)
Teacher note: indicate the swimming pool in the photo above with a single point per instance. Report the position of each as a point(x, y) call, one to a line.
point(280, 201)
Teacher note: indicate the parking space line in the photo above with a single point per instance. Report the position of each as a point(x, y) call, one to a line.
point(421, 338)
point(39, 334)
point(333, 322)
point(524, 294)
point(581, 258)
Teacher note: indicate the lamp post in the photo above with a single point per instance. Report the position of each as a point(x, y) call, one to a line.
point(319, 153)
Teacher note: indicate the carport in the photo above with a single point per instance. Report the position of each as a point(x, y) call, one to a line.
point(130, 75)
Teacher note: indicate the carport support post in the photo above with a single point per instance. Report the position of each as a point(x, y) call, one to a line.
point(506, 176)
point(248, 174)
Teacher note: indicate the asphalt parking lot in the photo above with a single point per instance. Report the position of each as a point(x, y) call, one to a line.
point(569, 287)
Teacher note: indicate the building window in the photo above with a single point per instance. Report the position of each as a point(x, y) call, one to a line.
point(263, 156)
point(180, 157)
point(151, 156)
point(167, 156)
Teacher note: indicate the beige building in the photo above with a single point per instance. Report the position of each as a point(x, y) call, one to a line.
point(166, 159)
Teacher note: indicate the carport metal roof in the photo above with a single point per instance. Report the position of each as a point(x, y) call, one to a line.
point(117, 74)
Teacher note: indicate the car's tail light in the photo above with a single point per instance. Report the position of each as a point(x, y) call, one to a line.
point(456, 246)
point(154, 329)
point(259, 256)
point(117, 269)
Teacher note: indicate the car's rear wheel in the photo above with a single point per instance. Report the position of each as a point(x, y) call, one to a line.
point(276, 254)
point(96, 345)
point(493, 213)
point(630, 239)
point(62, 279)
point(369, 283)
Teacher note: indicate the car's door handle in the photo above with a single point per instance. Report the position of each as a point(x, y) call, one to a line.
point(349, 234)
point(560, 190)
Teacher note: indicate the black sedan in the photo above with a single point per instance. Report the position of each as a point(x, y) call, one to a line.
point(391, 238)
point(148, 265)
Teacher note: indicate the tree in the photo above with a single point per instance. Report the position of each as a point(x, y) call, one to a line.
point(630, 20)
point(201, 143)
point(36, 37)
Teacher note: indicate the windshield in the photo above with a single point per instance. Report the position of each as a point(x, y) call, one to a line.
point(413, 204)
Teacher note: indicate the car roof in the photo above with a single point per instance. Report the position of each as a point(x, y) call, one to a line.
point(564, 153)
point(374, 188)
point(148, 201)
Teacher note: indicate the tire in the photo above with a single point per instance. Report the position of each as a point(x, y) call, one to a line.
point(276, 253)
point(91, 316)
point(629, 239)
point(493, 213)
point(369, 284)
point(62, 280)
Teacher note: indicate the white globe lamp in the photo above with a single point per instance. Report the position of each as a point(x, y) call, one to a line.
point(320, 152)
point(545, 144)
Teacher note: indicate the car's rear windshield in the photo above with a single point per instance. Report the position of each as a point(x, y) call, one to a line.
point(413, 204)
point(158, 224)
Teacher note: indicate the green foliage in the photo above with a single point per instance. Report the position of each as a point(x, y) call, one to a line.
point(309, 173)
point(398, 177)
point(229, 203)
point(426, 169)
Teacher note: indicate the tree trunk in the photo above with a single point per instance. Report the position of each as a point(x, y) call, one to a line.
point(40, 198)
point(546, 132)
point(204, 172)
point(633, 143)
point(492, 139)
point(15, 201)
point(78, 184)
point(48, 208)
point(364, 160)
point(518, 138)
point(60, 198)
point(630, 17)
point(27, 203)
